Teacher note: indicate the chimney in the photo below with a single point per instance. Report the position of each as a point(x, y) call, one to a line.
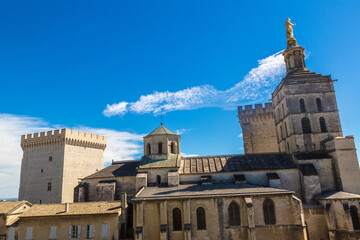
point(66, 207)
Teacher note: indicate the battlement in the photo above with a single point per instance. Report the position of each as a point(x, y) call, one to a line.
point(259, 109)
point(68, 135)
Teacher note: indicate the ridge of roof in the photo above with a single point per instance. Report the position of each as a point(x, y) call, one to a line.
point(161, 130)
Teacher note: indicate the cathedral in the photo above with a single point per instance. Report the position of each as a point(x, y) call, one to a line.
point(298, 179)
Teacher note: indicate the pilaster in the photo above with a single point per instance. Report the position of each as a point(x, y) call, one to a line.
point(250, 218)
point(187, 220)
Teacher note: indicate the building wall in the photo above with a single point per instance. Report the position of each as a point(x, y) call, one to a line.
point(74, 155)
point(287, 210)
point(258, 127)
point(315, 220)
point(42, 225)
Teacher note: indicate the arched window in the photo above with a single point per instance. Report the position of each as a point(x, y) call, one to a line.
point(200, 218)
point(177, 226)
point(286, 130)
point(302, 105)
point(172, 147)
point(319, 105)
point(160, 147)
point(305, 123)
point(149, 149)
point(269, 212)
point(158, 179)
point(322, 124)
point(234, 214)
point(355, 217)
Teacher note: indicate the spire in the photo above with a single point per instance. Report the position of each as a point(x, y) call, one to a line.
point(294, 54)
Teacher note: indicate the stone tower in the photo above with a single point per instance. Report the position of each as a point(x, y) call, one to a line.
point(54, 161)
point(305, 107)
point(258, 127)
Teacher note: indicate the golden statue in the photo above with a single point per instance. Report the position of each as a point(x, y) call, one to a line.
point(291, 41)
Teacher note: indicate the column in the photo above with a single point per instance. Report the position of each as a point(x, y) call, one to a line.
point(187, 219)
point(163, 221)
point(250, 218)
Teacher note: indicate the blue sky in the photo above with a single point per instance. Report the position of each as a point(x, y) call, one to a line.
point(63, 62)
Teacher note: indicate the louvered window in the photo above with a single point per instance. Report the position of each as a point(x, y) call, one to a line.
point(269, 212)
point(200, 218)
point(234, 214)
point(305, 123)
point(177, 223)
point(149, 149)
point(319, 105)
point(160, 148)
point(302, 105)
point(322, 124)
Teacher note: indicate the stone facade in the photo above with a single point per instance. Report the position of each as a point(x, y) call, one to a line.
point(54, 162)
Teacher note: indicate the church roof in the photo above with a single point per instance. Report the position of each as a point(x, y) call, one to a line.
point(338, 195)
point(172, 161)
point(198, 191)
point(117, 169)
point(161, 130)
point(234, 163)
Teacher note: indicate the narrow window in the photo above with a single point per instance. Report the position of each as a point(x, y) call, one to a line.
point(53, 232)
point(322, 124)
point(283, 110)
point(200, 218)
point(319, 105)
point(172, 147)
point(279, 113)
point(29, 231)
point(281, 132)
point(50, 159)
point(305, 123)
point(234, 214)
point(177, 226)
point(160, 148)
point(302, 105)
point(269, 212)
point(288, 147)
point(286, 130)
point(89, 231)
point(74, 231)
point(158, 179)
point(49, 186)
point(149, 149)
point(355, 217)
point(104, 231)
point(40, 201)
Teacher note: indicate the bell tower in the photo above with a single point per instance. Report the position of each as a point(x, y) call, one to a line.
point(304, 104)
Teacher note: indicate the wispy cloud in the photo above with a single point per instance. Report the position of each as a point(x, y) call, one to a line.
point(255, 86)
point(120, 146)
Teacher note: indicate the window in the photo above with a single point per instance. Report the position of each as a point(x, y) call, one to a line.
point(11, 235)
point(279, 113)
point(89, 231)
point(160, 148)
point(158, 179)
point(104, 231)
point(305, 123)
point(288, 147)
point(53, 232)
point(319, 105)
point(149, 149)
point(269, 212)
point(355, 217)
point(50, 159)
point(281, 132)
point(200, 218)
point(286, 130)
point(75, 231)
point(49, 186)
point(283, 110)
point(172, 147)
point(234, 214)
point(302, 105)
point(322, 124)
point(29, 231)
point(177, 226)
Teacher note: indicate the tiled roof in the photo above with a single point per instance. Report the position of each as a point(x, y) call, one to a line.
point(117, 169)
point(195, 191)
point(83, 208)
point(314, 155)
point(233, 163)
point(172, 161)
point(308, 170)
point(161, 130)
point(6, 207)
point(338, 195)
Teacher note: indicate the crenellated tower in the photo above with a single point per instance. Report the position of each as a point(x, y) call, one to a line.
point(54, 162)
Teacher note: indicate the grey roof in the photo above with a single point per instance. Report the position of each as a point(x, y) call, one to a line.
point(308, 170)
point(117, 169)
point(161, 130)
point(210, 190)
point(338, 195)
point(313, 155)
point(172, 161)
point(233, 163)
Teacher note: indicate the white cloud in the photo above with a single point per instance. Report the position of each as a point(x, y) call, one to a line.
point(240, 135)
point(120, 146)
point(255, 86)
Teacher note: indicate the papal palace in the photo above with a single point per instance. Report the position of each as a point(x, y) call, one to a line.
point(299, 178)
